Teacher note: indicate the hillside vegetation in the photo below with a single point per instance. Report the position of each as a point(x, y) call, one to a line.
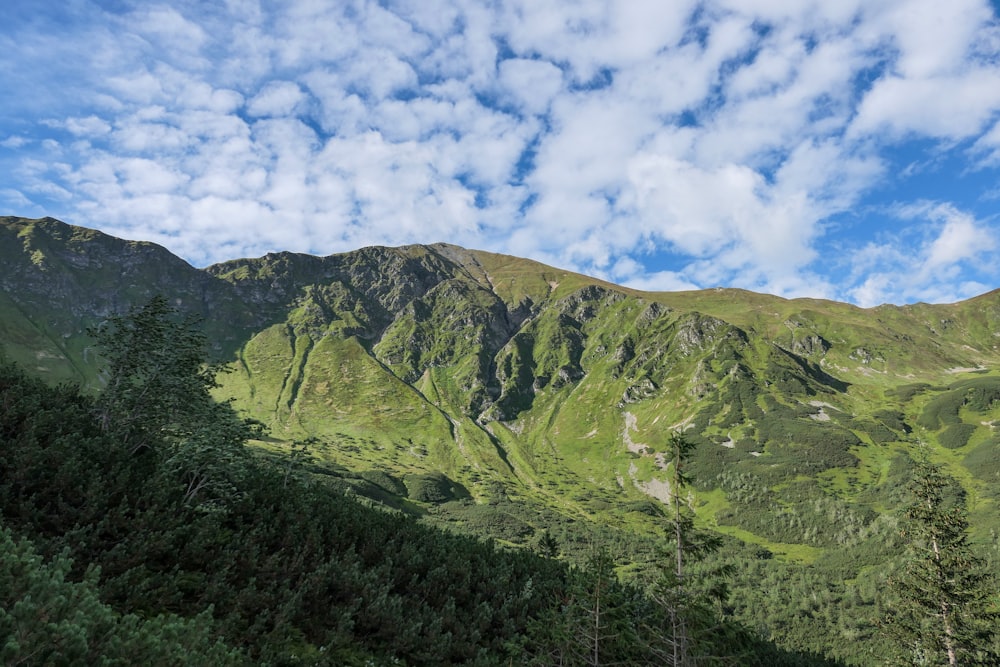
point(504, 398)
point(137, 528)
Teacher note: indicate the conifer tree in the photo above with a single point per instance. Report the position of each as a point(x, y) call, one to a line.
point(47, 619)
point(602, 628)
point(941, 613)
point(156, 380)
point(157, 396)
point(685, 594)
point(547, 545)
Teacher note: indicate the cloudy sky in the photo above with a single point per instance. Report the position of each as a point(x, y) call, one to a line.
point(846, 149)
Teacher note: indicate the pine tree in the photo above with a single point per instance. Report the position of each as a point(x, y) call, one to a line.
point(941, 613)
point(601, 612)
point(47, 619)
point(685, 594)
point(547, 545)
point(593, 620)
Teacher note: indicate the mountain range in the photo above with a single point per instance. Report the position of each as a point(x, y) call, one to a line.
point(503, 375)
point(504, 397)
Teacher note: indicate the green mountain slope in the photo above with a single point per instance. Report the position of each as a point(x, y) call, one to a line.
point(505, 397)
point(57, 280)
point(506, 374)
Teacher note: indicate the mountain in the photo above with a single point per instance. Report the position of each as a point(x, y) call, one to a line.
point(439, 374)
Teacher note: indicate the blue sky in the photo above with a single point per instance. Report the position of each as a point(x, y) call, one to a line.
point(844, 149)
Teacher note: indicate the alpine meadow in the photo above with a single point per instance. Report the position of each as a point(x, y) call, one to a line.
point(430, 455)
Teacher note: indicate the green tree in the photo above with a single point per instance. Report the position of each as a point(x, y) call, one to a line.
point(298, 458)
point(547, 545)
point(157, 396)
point(594, 621)
point(156, 381)
point(46, 619)
point(687, 593)
point(941, 612)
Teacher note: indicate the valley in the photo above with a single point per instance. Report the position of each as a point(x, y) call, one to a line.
point(502, 398)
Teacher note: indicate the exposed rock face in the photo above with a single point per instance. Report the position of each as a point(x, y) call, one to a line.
point(645, 388)
point(811, 346)
point(696, 332)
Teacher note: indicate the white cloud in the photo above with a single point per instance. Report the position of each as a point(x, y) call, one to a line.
point(277, 98)
point(170, 29)
point(960, 238)
point(532, 84)
point(932, 37)
point(591, 35)
point(139, 176)
point(661, 281)
point(14, 142)
point(727, 135)
point(986, 150)
point(139, 86)
point(742, 225)
point(135, 135)
point(952, 107)
point(91, 126)
point(16, 200)
point(926, 261)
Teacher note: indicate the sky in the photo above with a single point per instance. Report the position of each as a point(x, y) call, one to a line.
point(841, 149)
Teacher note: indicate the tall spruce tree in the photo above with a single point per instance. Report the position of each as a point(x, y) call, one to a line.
point(941, 612)
point(686, 594)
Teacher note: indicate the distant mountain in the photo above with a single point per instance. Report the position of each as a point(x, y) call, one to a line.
point(509, 377)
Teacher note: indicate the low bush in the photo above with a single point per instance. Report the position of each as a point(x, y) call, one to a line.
point(956, 435)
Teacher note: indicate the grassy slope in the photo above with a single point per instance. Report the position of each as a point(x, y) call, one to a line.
point(566, 411)
point(546, 395)
point(533, 387)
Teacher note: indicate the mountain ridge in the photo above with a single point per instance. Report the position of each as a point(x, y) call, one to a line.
point(493, 369)
point(502, 397)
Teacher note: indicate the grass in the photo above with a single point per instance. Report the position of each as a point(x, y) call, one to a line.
point(792, 553)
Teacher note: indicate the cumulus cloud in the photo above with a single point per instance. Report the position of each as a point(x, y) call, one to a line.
point(660, 281)
point(530, 84)
point(14, 142)
point(665, 145)
point(953, 107)
point(90, 126)
point(939, 257)
point(960, 236)
point(277, 98)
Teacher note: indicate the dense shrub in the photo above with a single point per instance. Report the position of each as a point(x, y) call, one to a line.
point(906, 392)
point(983, 393)
point(432, 487)
point(45, 619)
point(384, 480)
point(876, 430)
point(984, 461)
point(892, 419)
point(942, 409)
point(809, 445)
point(978, 394)
point(956, 435)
